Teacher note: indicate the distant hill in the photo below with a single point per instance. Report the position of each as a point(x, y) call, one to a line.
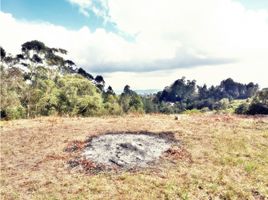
point(141, 92)
point(147, 91)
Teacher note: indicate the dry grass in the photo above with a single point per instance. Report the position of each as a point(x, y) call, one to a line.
point(229, 159)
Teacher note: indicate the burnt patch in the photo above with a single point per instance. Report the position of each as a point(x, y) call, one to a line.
point(167, 135)
point(74, 146)
point(124, 151)
point(178, 153)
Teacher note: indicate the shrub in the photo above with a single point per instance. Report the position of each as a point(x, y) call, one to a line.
point(222, 104)
point(78, 96)
point(166, 108)
point(191, 112)
point(257, 108)
point(205, 109)
point(259, 105)
point(111, 105)
point(89, 105)
point(242, 109)
point(130, 101)
point(112, 109)
point(15, 113)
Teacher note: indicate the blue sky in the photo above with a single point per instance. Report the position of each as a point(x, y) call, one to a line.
point(61, 12)
point(149, 43)
point(255, 4)
point(58, 12)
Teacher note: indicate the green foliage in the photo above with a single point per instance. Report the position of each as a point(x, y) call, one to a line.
point(257, 109)
point(181, 90)
point(130, 101)
point(261, 97)
point(78, 96)
point(182, 95)
point(135, 103)
point(12, 86)
point(14, 112)
point(111, 105)
point(65, 95)
point(43, 90)
point(166, 108)
point(259, 104)
point(89, 105)
point(48, 102)
point(205, 109)
point(222, 104)
point(242, 108)
point(191, 112)
point(149, 105)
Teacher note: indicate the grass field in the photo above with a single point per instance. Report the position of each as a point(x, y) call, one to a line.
point(229, 159)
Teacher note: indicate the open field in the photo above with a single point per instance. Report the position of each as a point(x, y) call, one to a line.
point(229, 159)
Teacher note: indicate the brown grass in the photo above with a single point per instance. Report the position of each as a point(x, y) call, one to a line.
point(228, 154)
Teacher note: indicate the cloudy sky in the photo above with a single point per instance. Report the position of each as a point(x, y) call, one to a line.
point(148, 43)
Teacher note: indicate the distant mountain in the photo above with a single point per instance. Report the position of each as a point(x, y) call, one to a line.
point(141, 92)
point(147, 91)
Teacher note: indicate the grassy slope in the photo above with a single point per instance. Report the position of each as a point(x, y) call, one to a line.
point(229, 153)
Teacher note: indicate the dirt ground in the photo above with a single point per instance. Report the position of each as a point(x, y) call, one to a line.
point(229, 159)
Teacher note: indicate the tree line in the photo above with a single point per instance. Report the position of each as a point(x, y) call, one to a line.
point(64, 95)
point(185, 95)
point(40, 82)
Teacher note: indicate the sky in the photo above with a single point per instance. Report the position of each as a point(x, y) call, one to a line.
point(147, 44)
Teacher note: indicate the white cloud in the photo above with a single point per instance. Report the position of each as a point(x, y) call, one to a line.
point(83, 5)
point(220, 38)
point(217, 27)
point(98, 7)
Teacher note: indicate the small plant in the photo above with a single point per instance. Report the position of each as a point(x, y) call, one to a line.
point(250, 167)
point(191, 112)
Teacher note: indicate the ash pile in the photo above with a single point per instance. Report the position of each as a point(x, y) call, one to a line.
point(127, 150)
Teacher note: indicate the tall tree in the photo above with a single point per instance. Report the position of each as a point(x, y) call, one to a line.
point(2, 53)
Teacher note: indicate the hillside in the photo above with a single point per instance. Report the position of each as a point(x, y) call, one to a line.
point(222, 157)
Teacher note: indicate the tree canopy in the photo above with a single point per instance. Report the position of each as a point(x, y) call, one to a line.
point(40, 81)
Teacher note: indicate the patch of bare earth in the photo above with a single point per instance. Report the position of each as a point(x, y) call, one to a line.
point(220, 157)
point(122, 151)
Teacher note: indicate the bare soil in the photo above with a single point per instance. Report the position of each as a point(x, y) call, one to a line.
point(122, 150)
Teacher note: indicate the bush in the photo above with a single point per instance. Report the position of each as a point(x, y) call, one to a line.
point(130, 101)
point(112, 109)
point(242, 109)
point(259, 105)
point(205, 109)
point(78, 96)
point(111, 105)
point(14, 113)
point(166, 108)
point(191, 112)
point(89, 105)
point(222, 104)
point(257, 108)
point(149, 105)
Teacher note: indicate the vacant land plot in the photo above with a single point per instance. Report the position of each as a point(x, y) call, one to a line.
point(227, 159)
